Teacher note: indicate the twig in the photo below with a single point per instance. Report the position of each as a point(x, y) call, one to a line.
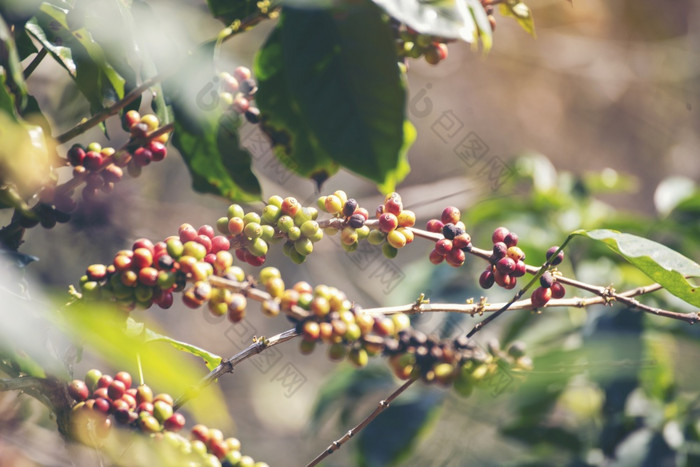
point(383, 404)
point(227, 366)
point(35, 62)
point(22, 383)
point(109, 111)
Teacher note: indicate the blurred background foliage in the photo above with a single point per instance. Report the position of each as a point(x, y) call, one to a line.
point(591, 125)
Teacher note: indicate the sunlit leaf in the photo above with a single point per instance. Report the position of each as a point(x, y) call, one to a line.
point(211, 360)
point(660, 263)
point(520, 12)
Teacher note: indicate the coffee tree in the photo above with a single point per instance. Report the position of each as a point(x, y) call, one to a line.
point(328, 90)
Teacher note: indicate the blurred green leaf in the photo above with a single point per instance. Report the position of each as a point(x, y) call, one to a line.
point(657, 378)
point(453, 19)
point(660, 263)
point(11, 71)
point(211, 360)
point(102, 328)
point(313, 74)
point(394, 434)
point(94, 75)
point(215, 159)
point(520, 12)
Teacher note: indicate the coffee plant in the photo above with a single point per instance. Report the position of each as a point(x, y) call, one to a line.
point(328, 90)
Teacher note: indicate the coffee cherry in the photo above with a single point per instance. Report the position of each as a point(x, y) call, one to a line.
point(499, 234)
point(175, 422)
point(388, 222)
point(455, 257)
point(78, 390)
point(92, 160)
point(520, 269)
point(558, 259)
point(436, 257)
point(76, 155)
point(396, 239)
point(546, 279)
point(116, 389)
point(486, 279)
point(443, 246)
point(540, 296)
point(124, 377)
point(389, 251)
point(511, 239)
point(499, 251)
point(505, 265)
point(450, 215)
point(558, 290)
point(356, 221)
point(434, 226)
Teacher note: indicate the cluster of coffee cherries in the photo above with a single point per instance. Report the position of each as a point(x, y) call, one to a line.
point(450, 362)
point(354, 217)
point(103, 400)
point(100, 395)
point(238, 90)
point(150, 273)
point(549, 288)
point(53, 207)
point(282, 219)
point(412, 44)
point(456, 242)
point(101, 167)
point(506, 263)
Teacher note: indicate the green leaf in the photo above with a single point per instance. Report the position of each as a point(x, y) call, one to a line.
point(452, 19)
point(211, 360)
point(103, 329)
point(60, 53)
point(320, 63)
point(520, 12)
point(94, 75)
point(11, 69)
point(393, 435)
point(215, 159)
point(658, 380)
point(283, 122)
point(660, 263)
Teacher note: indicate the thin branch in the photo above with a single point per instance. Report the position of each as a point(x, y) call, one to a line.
point(227, 366)
point(22, 383)
point(35, 62)
point(484, 307)
point(383, 404)
point(108, 112)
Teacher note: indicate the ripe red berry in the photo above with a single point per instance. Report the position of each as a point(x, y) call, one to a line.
point(520, 269)
point(462, 241)
point(546, 279)
point(486, 279)
point(388, 222)
point(450, 215)
point(540, 296)
point(158, 150)
point(558, 290)
point(436, 257)
point(511, 239)
point(104, 381)
point(499, 251)
point(116, 389)
point(558, 259)
point(76, 155)
point(142, 258)
point(92, 160)
point(499, 234)
point(124, 377)
point(142, 157)
point(455, 257)
point(505, 265)
point(443, 246)
point(175, 423)
point(187, 233)
point(78, 390)
point(434, 226)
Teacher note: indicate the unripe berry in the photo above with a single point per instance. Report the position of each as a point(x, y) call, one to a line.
point(151, 121)
point(333, 204)
point(311, 330)
point(396, 239)
point(389, 251)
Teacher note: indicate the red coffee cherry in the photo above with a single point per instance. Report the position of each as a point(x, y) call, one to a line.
point(540, 296)
point(558, 259)
point(499, 234)
point(558, 290)
point(486, 279)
